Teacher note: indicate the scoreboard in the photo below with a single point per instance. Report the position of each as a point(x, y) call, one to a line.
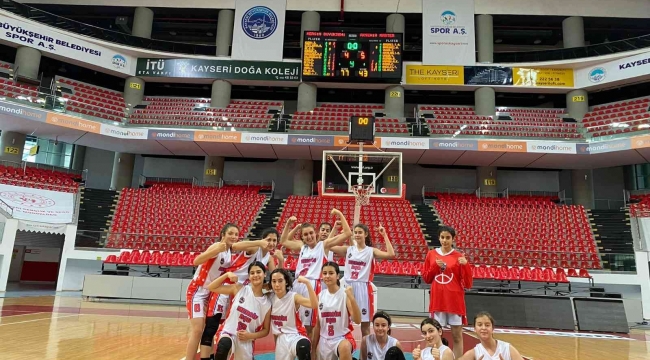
point(352, 57)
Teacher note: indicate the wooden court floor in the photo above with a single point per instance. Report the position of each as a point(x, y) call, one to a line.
point(56, 327)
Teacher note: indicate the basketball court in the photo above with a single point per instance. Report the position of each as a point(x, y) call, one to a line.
point(66, 327)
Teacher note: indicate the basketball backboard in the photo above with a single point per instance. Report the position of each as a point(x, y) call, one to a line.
point(341, 172)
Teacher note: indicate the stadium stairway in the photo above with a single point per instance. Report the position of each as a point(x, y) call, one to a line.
point(268, 217)
point(95, 209)
point(614, 237)
point(429, 222)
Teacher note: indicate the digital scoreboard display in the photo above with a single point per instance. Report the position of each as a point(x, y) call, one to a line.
point(351, 57)
point(362, 129)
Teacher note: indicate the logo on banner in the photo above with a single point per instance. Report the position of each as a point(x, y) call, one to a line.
point(462, 145)
point(171, 135)
point(311, 140)
point(597, 75)
point(27, 199)
point(119, 62)
point(448, 17)
point(259, 22)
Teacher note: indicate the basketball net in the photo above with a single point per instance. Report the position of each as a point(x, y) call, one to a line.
point(361, 198)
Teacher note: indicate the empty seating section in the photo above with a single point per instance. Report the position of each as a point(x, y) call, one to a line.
point(335, 117)
point(537, 123)
point(91, 100)
point(196, 112)
point(160, 258)
point(640, 205)
point(39, 178)
point(173, 217)
point(10, 88)
point(618, 118)
point(396, 216)
point(5, 66)
point(521, 232)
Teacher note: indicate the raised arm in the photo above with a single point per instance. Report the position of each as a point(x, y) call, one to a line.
point(214, 250)
point(312, 301)
point(286, 239)
point(218, 286)
point(390, 252)
point(353, 307)
point(340, 238)
point(250, 245)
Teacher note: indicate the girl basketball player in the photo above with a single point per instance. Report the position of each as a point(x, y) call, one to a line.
point(211, 264)
point(380, 345)
point(336, 311)
point(311, 259)
point(291, 340)
point(489, 348)
point(449, 274)
point(218, 304)
point(436, 346)
point(249, 317)
point(359, 269)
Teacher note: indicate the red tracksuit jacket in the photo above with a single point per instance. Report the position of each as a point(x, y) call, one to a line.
point(448, 286)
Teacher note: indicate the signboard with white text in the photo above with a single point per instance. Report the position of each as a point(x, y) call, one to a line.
point(46, 40)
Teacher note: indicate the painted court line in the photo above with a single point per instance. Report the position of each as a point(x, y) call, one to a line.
point(49, 318)
point(28, 313)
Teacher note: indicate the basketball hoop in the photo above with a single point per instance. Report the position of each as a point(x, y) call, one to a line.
point(362, 194)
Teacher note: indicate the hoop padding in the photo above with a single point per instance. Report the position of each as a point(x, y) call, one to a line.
point(351, 196)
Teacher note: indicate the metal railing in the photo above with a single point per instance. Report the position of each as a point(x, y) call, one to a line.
point(608, 204)
point(153, 179)
point(533, 193)
point(6, 210)
point(619, 262)
point(503, 194)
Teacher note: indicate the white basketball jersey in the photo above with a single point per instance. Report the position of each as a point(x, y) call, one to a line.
point(503, 349)
point(426, 353)
point(330, 255)
point(333, 314)
point(212, 269)
point(246, 312)
point(375, 352)
point(359, 264)
point(243, 260)
point(310, 261)
point(285, 318)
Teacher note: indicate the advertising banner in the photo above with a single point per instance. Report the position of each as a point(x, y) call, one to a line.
point(448, 32)
point(404, 143)
point(604, 146)
point(270, 139)
point(615, 70)
point(218, 69)
point(311, 140)
point(435, 75)
point(462, 145)
point(22, 112)
point(124, 133)
point(259, 30)
point(171, 135)
point(503, 146)
point(551, 147)
point(488, 75)
point(343, 141)
point(542, 77)
point(73, 123)
point(47, 40)
point(218, 136)
point(38, 205)
point(640, 142)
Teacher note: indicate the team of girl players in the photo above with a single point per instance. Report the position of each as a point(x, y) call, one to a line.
point(312, 317)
